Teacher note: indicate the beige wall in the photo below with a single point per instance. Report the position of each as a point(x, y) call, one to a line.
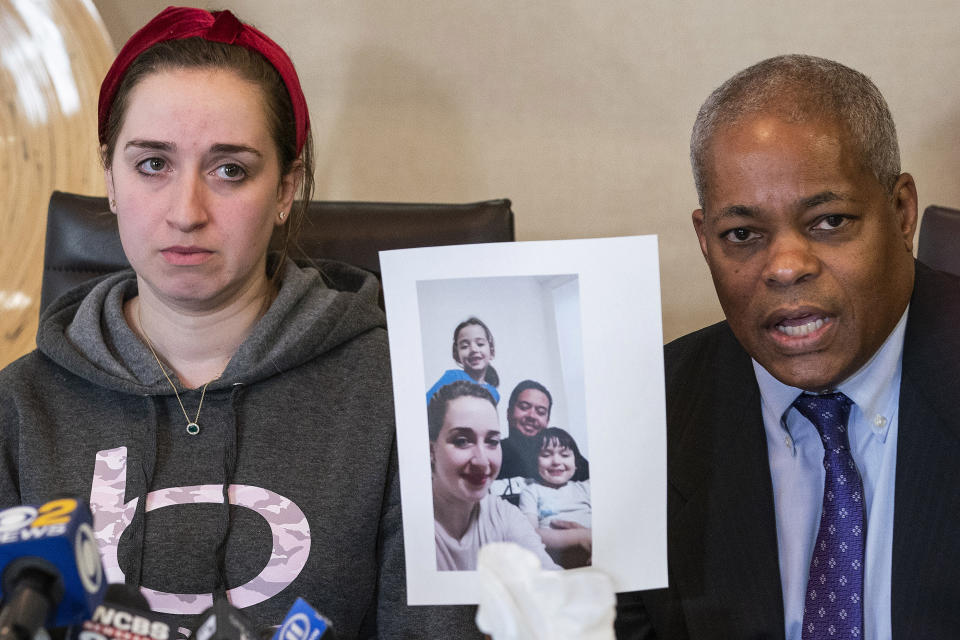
point(580, 111)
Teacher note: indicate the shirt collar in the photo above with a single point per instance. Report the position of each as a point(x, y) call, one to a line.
point(873, 388)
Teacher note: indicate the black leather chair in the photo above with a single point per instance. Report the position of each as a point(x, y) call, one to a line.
point(82, 240)
point(939, 244)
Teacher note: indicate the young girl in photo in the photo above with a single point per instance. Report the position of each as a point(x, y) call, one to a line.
point(473, 350)
point(558, 502)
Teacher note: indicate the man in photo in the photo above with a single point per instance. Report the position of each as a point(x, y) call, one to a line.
point(528, 413)
point(813, 436)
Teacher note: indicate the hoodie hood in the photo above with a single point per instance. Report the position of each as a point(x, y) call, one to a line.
point(315, 311)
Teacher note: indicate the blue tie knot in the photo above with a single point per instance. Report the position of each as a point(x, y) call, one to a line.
point(828, 413)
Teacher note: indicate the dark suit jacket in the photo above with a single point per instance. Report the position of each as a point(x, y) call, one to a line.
point(722, 544)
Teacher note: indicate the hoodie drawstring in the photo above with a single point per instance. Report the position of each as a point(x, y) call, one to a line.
point(148, 449)
point(231, 450)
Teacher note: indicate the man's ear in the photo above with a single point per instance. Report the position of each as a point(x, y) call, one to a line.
point(433, 456)
point(701, 233)
point(904, 198)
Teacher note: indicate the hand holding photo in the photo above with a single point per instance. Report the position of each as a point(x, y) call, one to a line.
point(574, 327)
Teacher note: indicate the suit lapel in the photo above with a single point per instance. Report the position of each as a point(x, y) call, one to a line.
point(926, 545)
point(725, 560)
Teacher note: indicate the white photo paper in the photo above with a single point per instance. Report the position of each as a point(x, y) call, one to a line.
point(581, 320)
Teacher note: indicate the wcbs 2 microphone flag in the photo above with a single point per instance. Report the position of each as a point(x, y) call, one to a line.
point(52, 575)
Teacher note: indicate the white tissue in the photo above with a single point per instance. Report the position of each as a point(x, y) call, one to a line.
point(521, 601)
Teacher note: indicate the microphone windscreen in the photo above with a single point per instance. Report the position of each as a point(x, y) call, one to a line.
point(303, 622)
point(126, 596)
point(124, 614)
point(50, 562)
point(223, 621)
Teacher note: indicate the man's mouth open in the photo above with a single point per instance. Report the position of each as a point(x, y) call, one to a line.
point(802, 330)
point(802, 327)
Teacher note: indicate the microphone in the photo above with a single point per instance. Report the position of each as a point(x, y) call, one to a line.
point(303, 622)
point(124, 613)
point(125, 595)
point(50, 566)
point(223, 621)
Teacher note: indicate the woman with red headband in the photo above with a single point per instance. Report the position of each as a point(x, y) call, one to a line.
point(227, 413)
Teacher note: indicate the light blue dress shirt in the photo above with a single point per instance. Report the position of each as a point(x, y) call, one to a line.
point(795, 452)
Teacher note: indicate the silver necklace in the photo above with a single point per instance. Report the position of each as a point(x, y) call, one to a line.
point(192, 427)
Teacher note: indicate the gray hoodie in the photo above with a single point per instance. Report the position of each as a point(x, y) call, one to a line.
point(297, 435)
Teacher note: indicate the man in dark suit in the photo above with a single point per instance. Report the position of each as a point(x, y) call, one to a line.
point(814, 436)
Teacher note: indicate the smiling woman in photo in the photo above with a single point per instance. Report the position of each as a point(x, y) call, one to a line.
point(465, 459)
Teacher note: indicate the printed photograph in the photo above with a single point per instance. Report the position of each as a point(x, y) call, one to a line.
point(503, 366)
point(529, 397)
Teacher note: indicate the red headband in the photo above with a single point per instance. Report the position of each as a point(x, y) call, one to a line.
point(176, 23)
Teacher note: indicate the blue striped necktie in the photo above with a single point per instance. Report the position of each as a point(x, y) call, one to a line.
point(833, 607)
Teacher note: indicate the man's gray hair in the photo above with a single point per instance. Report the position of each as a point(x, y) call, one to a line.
point(800, 88)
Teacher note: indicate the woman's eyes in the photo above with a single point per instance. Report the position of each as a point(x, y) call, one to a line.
point(152, 166)
point(463, 442)
point(231, 172)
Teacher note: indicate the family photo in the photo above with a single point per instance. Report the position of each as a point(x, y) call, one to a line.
point(527, 483)
point(505, 417)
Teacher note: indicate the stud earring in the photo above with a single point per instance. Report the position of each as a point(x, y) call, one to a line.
point(283, 214)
